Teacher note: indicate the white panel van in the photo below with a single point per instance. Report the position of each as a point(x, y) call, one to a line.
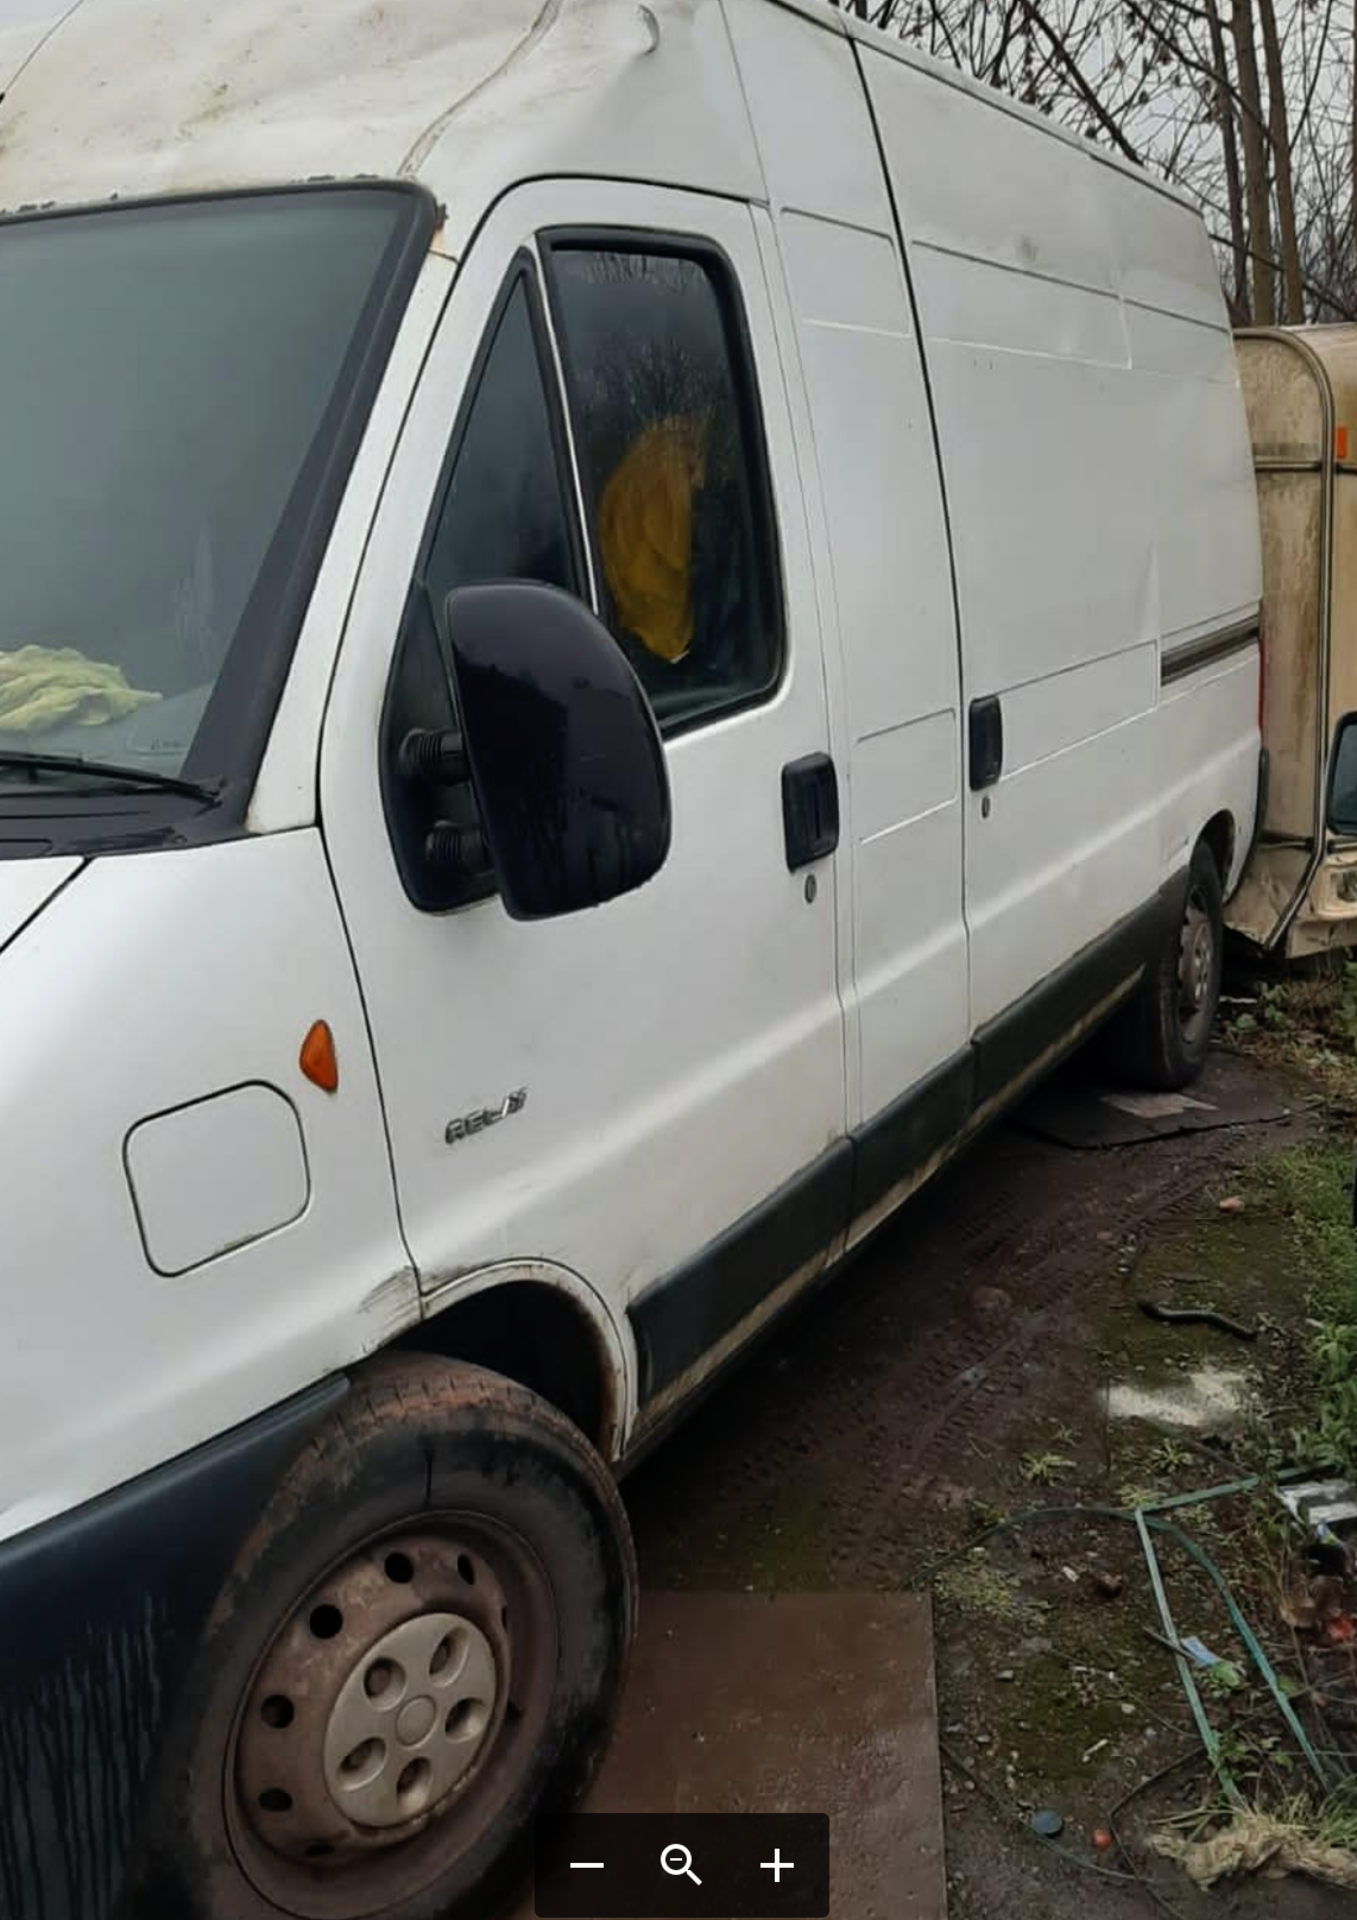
point(616, 625)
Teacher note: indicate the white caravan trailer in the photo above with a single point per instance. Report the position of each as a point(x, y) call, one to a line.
point(1298, 895)
point(616, 624)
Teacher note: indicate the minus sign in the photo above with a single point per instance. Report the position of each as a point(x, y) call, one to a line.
point(588, 1863)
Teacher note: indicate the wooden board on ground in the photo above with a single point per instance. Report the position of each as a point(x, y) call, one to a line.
point(1075, 1109)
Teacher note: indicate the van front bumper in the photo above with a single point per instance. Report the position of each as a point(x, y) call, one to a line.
point(100, 1610)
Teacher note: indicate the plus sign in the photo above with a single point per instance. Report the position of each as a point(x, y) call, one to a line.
point(777, 1866)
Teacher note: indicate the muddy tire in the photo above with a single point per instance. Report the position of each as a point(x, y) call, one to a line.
point(420, 1651)
point(1162, 1036)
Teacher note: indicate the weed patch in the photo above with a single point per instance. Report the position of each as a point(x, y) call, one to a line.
point(1311, 1188)
point(1304, 1024)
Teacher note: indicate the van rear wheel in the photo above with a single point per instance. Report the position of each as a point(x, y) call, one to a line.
point(1162, 1036)
point(420, 1652)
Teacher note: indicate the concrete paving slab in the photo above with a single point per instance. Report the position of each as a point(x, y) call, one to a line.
point(797, 1703)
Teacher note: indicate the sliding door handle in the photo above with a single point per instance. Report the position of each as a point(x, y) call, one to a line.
point(810, 809)
point(986, 742)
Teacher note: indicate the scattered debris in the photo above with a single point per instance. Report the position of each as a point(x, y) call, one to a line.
point(1049, 1824)
point(1309, 1608)
point(1255, 1843)
point(1197, 1317)
point(1299, 1610)
point(1326, 1508)
point(1189, 1648)
point(1210, 1680)
point(1232, 1203)
point(1197, 1650)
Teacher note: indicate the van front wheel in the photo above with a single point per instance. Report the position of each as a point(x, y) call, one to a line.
point(420, 1652)
point(1161, 1037)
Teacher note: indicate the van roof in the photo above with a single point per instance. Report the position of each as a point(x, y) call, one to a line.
point(894, 48)
point(133, 98)
point(138, 97)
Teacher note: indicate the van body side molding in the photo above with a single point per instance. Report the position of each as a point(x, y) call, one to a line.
point(1007, 1046)
point(685, 1313)
point(1207, 650)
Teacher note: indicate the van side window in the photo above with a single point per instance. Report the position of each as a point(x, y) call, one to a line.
point(504, 515)
point(671, 458)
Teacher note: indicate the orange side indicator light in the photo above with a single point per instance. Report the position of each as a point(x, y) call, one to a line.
point(1340, 443)
point(318, 1059)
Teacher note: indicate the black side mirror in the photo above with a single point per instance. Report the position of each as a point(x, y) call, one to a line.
point(562, 748)
point(1343, 777)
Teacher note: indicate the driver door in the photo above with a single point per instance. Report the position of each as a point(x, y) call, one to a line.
point(603, 410)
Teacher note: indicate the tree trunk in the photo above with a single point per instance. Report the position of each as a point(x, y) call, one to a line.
point(1293, 290)
point(1234, 183)
point(1253, 135)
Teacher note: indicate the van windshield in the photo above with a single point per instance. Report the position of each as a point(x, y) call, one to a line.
point(174, 379)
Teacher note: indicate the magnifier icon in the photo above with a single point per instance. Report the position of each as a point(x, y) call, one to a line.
point(678, 1861)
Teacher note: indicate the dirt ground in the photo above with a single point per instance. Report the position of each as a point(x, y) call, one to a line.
point(983, 1358)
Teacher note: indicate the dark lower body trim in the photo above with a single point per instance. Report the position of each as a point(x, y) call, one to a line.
point(686, 1313)
point(909, 1133)
point(1006, 1046)
point(99, 1611)
point(1174, 662)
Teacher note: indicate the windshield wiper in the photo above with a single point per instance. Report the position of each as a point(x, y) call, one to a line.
point(104, 770)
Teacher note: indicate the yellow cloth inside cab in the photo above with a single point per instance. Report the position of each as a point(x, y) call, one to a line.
point(44, 687)
point(646, 532)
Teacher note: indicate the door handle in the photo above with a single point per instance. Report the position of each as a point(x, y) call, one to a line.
point(810, 809)
point(986, 742)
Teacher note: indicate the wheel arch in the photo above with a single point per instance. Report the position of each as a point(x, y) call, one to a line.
point(1220, 836)
point(545, 1328)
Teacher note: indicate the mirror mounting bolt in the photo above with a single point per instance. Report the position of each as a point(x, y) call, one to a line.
point(459, 850)
point(436, 757)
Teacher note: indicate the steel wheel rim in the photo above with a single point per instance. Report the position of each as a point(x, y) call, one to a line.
point(463, 1607)
point(1197, 963)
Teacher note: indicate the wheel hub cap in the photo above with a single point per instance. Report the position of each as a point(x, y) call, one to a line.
point(1196, 961)
point(409, 1719)
point(376, 1703)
